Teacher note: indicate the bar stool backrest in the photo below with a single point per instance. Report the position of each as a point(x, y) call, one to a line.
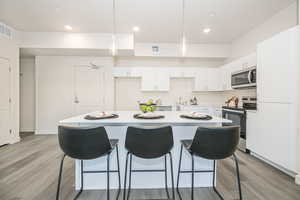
point(215, 143)
point(149, 142)
point(83, 143)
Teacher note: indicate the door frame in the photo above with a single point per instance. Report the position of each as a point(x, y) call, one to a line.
point(10, 97)
point(102, 79)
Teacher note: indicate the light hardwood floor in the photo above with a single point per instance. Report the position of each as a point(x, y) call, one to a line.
point(29, 169)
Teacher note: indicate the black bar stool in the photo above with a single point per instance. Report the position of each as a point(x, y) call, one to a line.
point(85, 144)
point(149, 143)
point(212, 144)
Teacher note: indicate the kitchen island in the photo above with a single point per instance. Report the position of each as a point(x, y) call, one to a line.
point(116, 128)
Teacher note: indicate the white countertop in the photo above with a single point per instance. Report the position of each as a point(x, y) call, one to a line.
point(126, 118)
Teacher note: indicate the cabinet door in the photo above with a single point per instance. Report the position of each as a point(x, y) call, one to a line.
point(163, 81)
point(275, 69)
point(252, 131)
point(213, 80)
point(225, 78)
point(274, 136)
point(155, 80)
point(148, 80)
point(201, 78)
point(207, 80)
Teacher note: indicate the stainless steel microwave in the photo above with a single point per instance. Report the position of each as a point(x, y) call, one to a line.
point(244, 79)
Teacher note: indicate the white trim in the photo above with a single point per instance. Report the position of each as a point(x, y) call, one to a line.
point(15, 140)
point(284, 170)
point(36, 94)
point(46, 132)
point(27, 130)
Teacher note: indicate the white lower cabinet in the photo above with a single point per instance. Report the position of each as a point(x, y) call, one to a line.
point(270, 134)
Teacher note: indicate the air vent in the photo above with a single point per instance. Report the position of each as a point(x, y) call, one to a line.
point(5, 31)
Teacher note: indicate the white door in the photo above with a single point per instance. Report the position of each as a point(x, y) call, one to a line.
point(89, 89)
point(4, 101)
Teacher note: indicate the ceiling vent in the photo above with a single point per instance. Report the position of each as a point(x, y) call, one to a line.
point(5, 31)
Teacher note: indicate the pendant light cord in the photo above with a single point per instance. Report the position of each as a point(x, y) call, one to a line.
point(183, 29)
point(114, 29)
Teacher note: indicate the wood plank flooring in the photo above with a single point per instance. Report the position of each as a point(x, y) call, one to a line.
point(29, 169)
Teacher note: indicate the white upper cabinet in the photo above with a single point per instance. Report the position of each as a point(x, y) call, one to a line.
point(155, 80)
point(127, 72)
point(225, 78)
point(207, 79)
point(177, 72)
point(277, 68)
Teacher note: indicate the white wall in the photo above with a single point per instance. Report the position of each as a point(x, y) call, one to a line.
point(27, 94)
point(9, 50)
point(281, 21)
point(55, 88)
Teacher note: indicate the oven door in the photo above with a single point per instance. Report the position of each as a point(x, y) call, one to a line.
point(238, 118)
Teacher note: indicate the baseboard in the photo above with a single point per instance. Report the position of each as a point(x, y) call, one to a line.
point(15, 140)
point(27, 130)
point(46, 132)
point(284, 170)
point(297, 179)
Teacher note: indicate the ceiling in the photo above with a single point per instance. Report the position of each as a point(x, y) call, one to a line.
point(159, 20)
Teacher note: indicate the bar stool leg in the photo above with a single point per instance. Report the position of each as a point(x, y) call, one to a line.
point(125, 179)
point(108, 158)
point(238, 176)
point(172, 176)
point(166, 177)
point(178, 175)
point(130, 171)
point(119, 176)
point(214, 177)
point(81, 188)
point(192, 177)
point(59, 176)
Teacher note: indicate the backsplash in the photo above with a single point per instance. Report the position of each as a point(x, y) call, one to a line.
point(128, 92)
point(239, 94)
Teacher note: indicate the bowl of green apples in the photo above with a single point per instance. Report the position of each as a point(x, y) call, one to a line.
point(148, 107)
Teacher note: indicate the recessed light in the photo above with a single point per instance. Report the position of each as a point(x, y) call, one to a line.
point(136, 29)
point(206, 30)
point(68, 27)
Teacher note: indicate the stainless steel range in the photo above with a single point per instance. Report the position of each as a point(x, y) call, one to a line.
point(238, 116)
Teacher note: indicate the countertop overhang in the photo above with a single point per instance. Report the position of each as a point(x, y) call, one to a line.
point(126, 119)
